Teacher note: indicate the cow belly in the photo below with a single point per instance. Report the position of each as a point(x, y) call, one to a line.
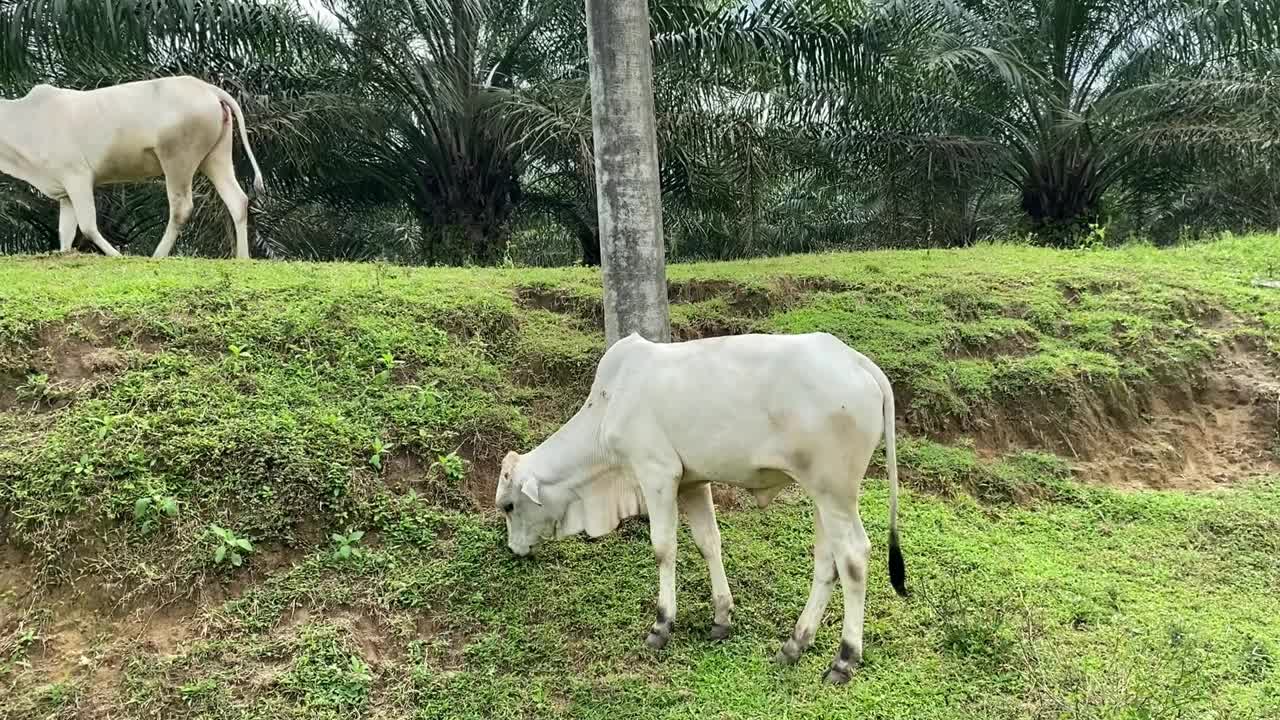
point(747, 478)
point(763, 484)
point(129, 166)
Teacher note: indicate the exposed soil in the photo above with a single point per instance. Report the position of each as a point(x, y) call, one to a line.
point(75, 356)
point(74, 640)
point(370, 635)
point(403, 469)
point(1212, 436)
point(9, 392)
point(562, 302)
point(483, 458)
point(1016, 345)
point(745, 301)
point(1221, 431)
point(754, 301)
point(708, 328)
point(1207, 436)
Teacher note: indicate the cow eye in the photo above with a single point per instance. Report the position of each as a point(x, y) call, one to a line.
point(507, 507)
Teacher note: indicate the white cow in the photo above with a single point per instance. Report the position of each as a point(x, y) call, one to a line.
point(66, 142)
point(755, 411)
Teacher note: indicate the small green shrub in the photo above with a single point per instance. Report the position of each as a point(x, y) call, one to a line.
point(150, 509)
point(35, 389)
point(230, 548)
point(345, 544)
point(453, 467)
point(378, 449)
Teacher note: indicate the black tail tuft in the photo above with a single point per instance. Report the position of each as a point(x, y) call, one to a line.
point(897, 567)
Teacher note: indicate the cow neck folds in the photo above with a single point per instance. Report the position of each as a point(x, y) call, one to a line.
point(572, 456)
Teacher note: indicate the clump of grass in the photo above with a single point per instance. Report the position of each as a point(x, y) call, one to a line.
point(950, 470)
point(326, 675)
point(973, 630)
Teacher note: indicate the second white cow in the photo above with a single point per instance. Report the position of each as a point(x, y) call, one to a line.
point(755, 411)
point(66, 142)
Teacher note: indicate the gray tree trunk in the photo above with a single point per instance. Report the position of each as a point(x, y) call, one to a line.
point(628, 197)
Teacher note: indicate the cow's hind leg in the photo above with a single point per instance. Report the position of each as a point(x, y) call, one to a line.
point(701, 514)
point(221, 171)
point(824, 579)
point(66, 225)
point(851, 550)
point(80, 194)
point(177, 182)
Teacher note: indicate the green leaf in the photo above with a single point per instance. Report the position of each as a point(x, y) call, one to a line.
point(235, 559)
point(337, 538)
point(169, 506)
point(140, 507)
point(220, 554)
point(344, 552)
point(356, 535)
point(245, 544)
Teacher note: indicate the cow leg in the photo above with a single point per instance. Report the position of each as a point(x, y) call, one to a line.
point(221, 171)
point(852, 550)
point(824, 579)
point(659, 484)
point(80, 194)
point(701, 514)
point(66, 225)
point(178, 185)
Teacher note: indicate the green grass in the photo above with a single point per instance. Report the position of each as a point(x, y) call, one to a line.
point(256, 397)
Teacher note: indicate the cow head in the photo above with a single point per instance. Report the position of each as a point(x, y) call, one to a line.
point(519, 498)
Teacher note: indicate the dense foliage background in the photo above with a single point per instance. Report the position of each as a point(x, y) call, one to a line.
point(458, 131)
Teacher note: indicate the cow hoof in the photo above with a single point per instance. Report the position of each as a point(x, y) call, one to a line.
point(836, 676)
point(789, 653)
point(657, 641)
point(720, 632)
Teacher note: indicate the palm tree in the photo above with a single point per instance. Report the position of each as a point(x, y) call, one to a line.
point(1078, 102)
point(436, 72)
point(1119, 80)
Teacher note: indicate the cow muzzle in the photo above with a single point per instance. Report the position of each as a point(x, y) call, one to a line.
point(520, 551)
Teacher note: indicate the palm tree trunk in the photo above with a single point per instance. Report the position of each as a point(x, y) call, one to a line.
point(626, 162)
point(590, 242)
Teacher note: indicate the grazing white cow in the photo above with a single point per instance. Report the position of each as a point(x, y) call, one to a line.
point(66, 142)
point(755, 411)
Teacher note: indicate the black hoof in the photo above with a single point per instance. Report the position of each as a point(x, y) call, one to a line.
point(657, 641)
point(720, 632)
point(789, 653)
point(836, 676)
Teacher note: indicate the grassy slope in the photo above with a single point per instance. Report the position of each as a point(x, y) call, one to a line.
point(1089, 602)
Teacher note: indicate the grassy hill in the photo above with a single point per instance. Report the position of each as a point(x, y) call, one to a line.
point(1091, 525)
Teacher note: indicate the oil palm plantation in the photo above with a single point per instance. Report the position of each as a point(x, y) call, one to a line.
point(1082, 103)
point(426, 130)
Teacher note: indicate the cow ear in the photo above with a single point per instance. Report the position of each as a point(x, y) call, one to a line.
point(509, 462)
point(530, 489)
